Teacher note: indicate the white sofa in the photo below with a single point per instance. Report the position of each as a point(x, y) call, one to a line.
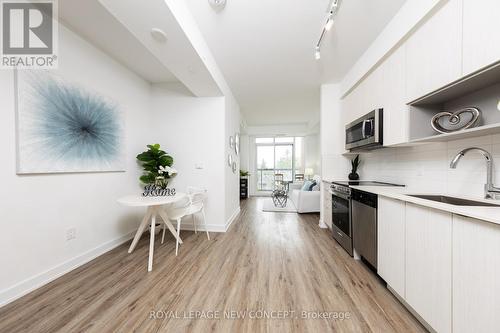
point(305, 201)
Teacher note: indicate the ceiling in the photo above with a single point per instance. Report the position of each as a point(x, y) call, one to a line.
point(266, 50)
point(107, 33)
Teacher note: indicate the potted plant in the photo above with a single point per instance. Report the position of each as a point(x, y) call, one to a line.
point(244, 174)
point(157, 165)
point(355, 162)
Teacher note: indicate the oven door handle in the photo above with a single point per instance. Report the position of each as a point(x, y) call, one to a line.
point(340, 195)
point(363, 129)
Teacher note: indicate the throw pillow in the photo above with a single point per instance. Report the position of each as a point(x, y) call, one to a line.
point(306, 186)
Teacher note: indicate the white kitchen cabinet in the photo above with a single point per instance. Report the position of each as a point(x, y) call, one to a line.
point(434, 51)
point(393, 98)
point(476, 276)
point(428, 265)
point(383, 88)
point(481, 38)
point(391, 243)
point(366, 97)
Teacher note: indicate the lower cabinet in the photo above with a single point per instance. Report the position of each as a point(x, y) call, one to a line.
point(445, 266)
point(428, 265)
point(391, 243)
point(476, 276)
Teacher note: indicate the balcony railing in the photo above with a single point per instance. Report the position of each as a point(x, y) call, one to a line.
point(265, 178)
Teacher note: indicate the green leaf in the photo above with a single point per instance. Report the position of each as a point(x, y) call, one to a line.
point(147, 178)
point(166, 160)
point(156, 146)
point(145, 156)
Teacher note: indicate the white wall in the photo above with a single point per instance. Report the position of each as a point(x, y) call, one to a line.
point(333, 164)
point(245, 152)
point(192, 131)
point(273, 130)
point(36, 210)
point(312, 152)
point(232, 179)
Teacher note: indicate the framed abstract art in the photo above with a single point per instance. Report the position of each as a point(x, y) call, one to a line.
point(64, 127)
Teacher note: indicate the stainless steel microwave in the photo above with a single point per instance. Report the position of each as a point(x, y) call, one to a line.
point(366, 132)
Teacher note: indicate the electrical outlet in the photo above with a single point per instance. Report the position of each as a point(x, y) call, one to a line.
point(70, 234)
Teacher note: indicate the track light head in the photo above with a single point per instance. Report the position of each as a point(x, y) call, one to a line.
point(317, 53)
point(329, 23)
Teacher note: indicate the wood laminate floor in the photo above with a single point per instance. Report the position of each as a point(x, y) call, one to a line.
point(266, 264)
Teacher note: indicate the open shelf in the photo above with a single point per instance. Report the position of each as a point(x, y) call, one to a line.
point(468, 133)
point(479, 89)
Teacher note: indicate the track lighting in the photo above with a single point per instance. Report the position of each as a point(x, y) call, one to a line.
point(333, 9)
point(329, 23)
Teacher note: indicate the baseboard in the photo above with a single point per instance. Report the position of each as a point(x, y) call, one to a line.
point(200, 227)
point(233, 217)
point(24, 287)
point(188, 225)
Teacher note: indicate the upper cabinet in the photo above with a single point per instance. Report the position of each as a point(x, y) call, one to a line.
point(434, 51)
point(383, 88)
point(481, 39)
point(393, 97)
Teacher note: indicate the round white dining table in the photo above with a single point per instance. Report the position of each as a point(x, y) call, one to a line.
point(155, 207)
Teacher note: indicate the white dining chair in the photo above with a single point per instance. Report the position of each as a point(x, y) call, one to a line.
point(192, 205)
point(198, 197)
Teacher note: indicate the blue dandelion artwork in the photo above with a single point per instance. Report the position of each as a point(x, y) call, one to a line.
point(63, 127)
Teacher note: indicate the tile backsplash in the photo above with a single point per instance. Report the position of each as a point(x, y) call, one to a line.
point(426, 168)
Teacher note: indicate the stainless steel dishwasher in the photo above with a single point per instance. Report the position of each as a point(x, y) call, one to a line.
point(364, 225)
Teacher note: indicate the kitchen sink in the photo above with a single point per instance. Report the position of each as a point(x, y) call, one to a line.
point(454, 201)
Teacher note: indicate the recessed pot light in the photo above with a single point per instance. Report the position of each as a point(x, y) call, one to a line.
point(217, 4)
point(159, 35)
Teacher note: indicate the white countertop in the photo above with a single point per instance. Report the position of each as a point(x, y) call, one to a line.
point(489, 214)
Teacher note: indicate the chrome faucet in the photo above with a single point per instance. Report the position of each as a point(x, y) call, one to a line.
point(490, 191)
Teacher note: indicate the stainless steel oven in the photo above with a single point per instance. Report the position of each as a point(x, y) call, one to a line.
point(365, 132)
point(341, 216)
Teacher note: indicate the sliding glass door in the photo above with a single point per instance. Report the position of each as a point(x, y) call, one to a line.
point(274, 156)
point(265, 167)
